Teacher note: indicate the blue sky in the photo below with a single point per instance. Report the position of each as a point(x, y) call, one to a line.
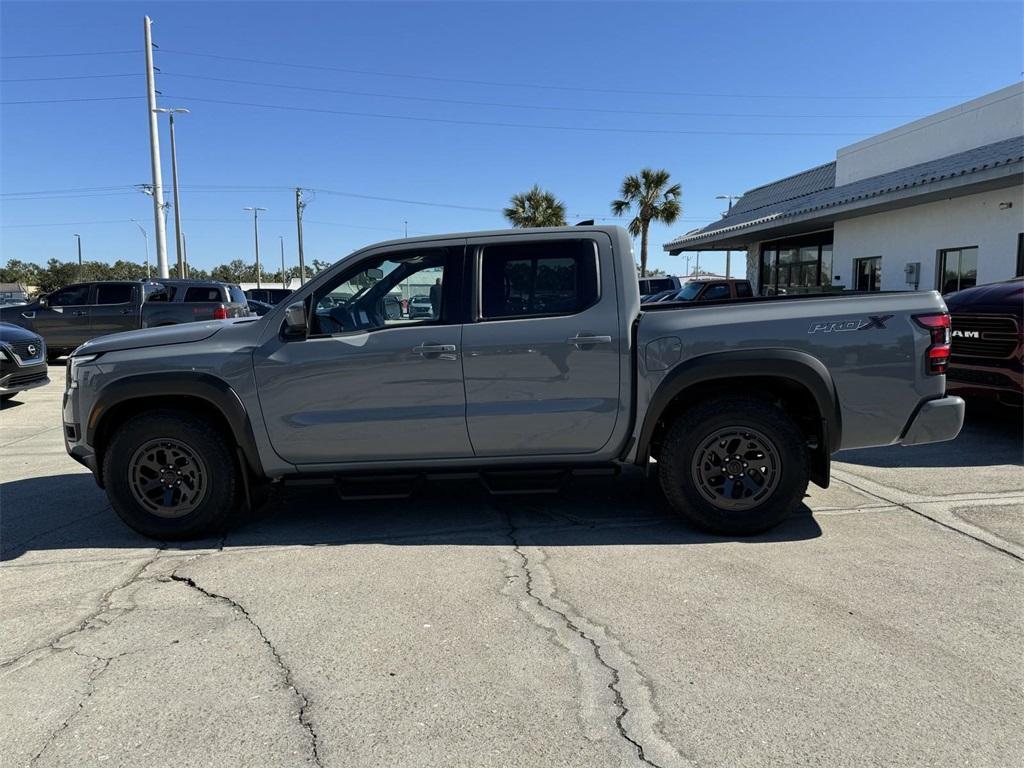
point(729, 73)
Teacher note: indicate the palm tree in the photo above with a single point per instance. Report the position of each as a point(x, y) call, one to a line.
point(647, 194)
point(536, 208)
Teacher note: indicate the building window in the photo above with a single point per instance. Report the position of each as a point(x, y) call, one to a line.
point(801, 265)
point(958, 269)
point(867, 274)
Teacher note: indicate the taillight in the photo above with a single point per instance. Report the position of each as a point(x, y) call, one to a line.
point(221, 313)
point(937, 357)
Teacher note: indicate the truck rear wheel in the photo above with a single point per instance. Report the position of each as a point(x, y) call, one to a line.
point(733, 466)
point(170, 476)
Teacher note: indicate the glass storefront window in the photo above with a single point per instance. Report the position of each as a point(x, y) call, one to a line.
point(958, 269)
point(803, 265)
point(867, 274)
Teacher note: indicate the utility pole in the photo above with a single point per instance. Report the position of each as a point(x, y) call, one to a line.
point(728, 254)
point(145, 234)
point(284, 275)
point(184, 254)
point(154, 154)
point(179, 246)
point(79, 256)
point(299, 206)
point(406, 228)
point(256, 238)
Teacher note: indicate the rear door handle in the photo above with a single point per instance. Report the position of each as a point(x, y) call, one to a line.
point(442, 351)
point(79, 313)
point(580, 340)
point(126, 311)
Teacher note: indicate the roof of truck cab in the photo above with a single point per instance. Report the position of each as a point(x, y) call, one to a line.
point(610, 229)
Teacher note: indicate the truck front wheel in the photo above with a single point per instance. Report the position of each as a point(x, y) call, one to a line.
point(733, 466)
point(170, 476)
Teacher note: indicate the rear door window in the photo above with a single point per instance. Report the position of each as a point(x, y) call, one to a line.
point(203, 293)
point(744, 291)
point(238, 295)
point(114, 293)
point(538, 279)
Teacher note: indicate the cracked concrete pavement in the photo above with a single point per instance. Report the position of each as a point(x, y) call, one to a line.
point(882, 625)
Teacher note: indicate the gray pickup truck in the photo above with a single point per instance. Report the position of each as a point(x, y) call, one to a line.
point(538, 360)
point(76, 313)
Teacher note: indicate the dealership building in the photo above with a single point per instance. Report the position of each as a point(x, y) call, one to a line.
point(934, 204)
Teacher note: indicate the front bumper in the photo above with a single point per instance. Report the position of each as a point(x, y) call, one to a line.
point(15, 379)
point(935, 421)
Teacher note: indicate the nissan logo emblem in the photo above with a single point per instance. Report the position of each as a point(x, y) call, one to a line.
point(31, 349)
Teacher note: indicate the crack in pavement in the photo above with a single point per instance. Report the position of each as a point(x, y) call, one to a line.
point(615, 684)
point(90, 690)
point(304, 718)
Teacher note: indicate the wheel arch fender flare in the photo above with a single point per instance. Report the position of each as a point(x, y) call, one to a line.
point(215, 391)
point(791, 364)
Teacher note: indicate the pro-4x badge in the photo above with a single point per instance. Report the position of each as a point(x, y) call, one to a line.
point(839, 326)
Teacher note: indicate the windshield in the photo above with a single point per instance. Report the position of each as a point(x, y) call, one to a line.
point(689, 292)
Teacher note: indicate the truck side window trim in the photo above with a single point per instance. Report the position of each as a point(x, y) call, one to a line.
point(478, 265)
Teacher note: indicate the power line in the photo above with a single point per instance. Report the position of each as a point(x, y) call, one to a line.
point(497, 124)
point(67, 101)
point(69, 189)
point(66, 224)
point(65, 55)
point(63, 77)
point(556, 108)
point(544, 86)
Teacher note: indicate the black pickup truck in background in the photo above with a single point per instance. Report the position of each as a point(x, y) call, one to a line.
point(72, 315)
point(988, 342)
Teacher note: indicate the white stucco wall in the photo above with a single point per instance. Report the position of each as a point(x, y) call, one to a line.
point(920, 232)
point(990, 118)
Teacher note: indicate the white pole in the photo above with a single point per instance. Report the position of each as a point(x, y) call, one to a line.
point(154, 155)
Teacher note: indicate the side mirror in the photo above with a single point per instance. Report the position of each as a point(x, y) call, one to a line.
point(43, 300)
point(295, 320)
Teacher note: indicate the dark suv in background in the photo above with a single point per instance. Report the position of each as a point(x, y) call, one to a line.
point(987, 342)
point(72, 315)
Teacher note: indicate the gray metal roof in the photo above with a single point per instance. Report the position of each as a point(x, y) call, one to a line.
point(813, 194)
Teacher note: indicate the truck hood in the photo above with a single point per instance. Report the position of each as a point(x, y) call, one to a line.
point(1005, 298)
point(152, 337)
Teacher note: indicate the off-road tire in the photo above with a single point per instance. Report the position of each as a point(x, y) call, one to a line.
point(690, 431)
point(223, 486)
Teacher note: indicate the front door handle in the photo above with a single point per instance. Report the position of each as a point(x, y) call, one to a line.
point(440, 351)
point(126, 312)
point(79, 313)
point(580, 340)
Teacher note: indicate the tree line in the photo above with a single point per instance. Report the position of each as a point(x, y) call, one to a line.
point(647, 195)
point(56, 274)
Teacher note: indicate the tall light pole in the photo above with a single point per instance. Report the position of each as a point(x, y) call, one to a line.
point(145, 234)
point(179, 247)
point(256, 237)
point(284, 275)
point(728, 254)
point(159, 222)
point(79, 238)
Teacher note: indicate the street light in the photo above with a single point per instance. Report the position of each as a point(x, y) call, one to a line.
point(145, 234)
point(79, 256)
point(728, 254)
point(256, 237)
point(179, 246)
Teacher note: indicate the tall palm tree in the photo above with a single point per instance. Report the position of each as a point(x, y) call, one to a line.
point(536, 208)
point(648, 196)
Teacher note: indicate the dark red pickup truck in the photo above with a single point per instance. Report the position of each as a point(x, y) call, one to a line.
point(988, 341)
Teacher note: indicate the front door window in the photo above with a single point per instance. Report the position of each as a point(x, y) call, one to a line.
point(958, 269)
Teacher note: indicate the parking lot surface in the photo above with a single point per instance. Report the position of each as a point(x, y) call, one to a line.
point(883, 624)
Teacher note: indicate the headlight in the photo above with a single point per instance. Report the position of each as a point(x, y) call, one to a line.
point(74, 363)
